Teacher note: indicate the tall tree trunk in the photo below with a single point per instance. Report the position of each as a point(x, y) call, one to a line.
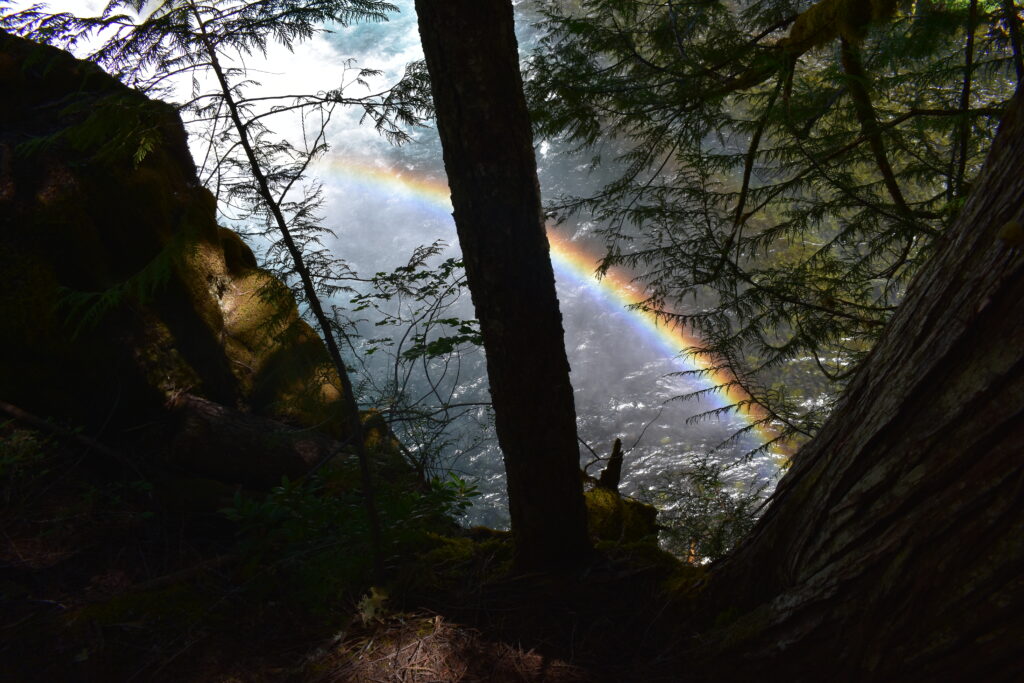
point(473, 60)
point(894, 549)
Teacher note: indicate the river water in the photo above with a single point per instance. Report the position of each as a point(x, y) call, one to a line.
point(385, 200)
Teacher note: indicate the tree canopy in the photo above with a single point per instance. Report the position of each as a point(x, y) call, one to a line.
point(780, 169)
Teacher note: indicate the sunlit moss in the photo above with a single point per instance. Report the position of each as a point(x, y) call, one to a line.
point(457, 561)
point(829, 19)
point(611, 517)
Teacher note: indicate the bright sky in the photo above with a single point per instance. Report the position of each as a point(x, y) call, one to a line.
point(318, 65)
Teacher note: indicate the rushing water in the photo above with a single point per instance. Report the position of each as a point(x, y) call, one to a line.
point(621, 373)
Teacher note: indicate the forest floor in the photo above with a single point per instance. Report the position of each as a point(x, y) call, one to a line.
point(98, 584)
point(612, 622)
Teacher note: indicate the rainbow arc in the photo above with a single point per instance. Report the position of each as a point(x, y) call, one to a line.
point(615, 289)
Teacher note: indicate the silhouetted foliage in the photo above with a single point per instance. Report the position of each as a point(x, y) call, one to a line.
point(781, 169)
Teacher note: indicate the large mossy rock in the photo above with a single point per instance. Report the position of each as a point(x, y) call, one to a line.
point(121, 293)
point(612, 517)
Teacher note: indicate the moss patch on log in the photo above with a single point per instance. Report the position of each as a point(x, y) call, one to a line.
point(611, 517)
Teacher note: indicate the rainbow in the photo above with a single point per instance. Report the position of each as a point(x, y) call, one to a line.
point(615, 288)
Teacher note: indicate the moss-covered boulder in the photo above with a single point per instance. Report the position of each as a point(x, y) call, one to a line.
point(120, 291)
point(612, 517)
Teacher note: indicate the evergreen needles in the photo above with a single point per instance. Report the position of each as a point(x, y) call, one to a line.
point(779, 169)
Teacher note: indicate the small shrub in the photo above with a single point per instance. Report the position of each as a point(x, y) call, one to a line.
point(313, 539)
point(704, 513)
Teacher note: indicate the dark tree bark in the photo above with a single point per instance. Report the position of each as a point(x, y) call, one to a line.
point(612, 474)
point(472, 57)
point(894, 549)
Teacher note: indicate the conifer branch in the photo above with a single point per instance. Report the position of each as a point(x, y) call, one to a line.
point(857, 81)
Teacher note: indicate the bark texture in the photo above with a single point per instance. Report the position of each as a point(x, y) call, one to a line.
point(472, 57)
point(894, 549)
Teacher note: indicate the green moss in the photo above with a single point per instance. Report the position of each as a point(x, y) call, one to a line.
point(456, 562)
point(257, 308)
point(179, 603)
point(449, 551)
point(238, 257)
point(642, 553)
point(279, 359)
point(611, 517)
point(160, 359)
point(829, 19)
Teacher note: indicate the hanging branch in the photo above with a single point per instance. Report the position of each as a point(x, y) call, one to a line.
point(748, 170)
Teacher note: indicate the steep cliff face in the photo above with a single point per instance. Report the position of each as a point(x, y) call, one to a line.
point(121, 293)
